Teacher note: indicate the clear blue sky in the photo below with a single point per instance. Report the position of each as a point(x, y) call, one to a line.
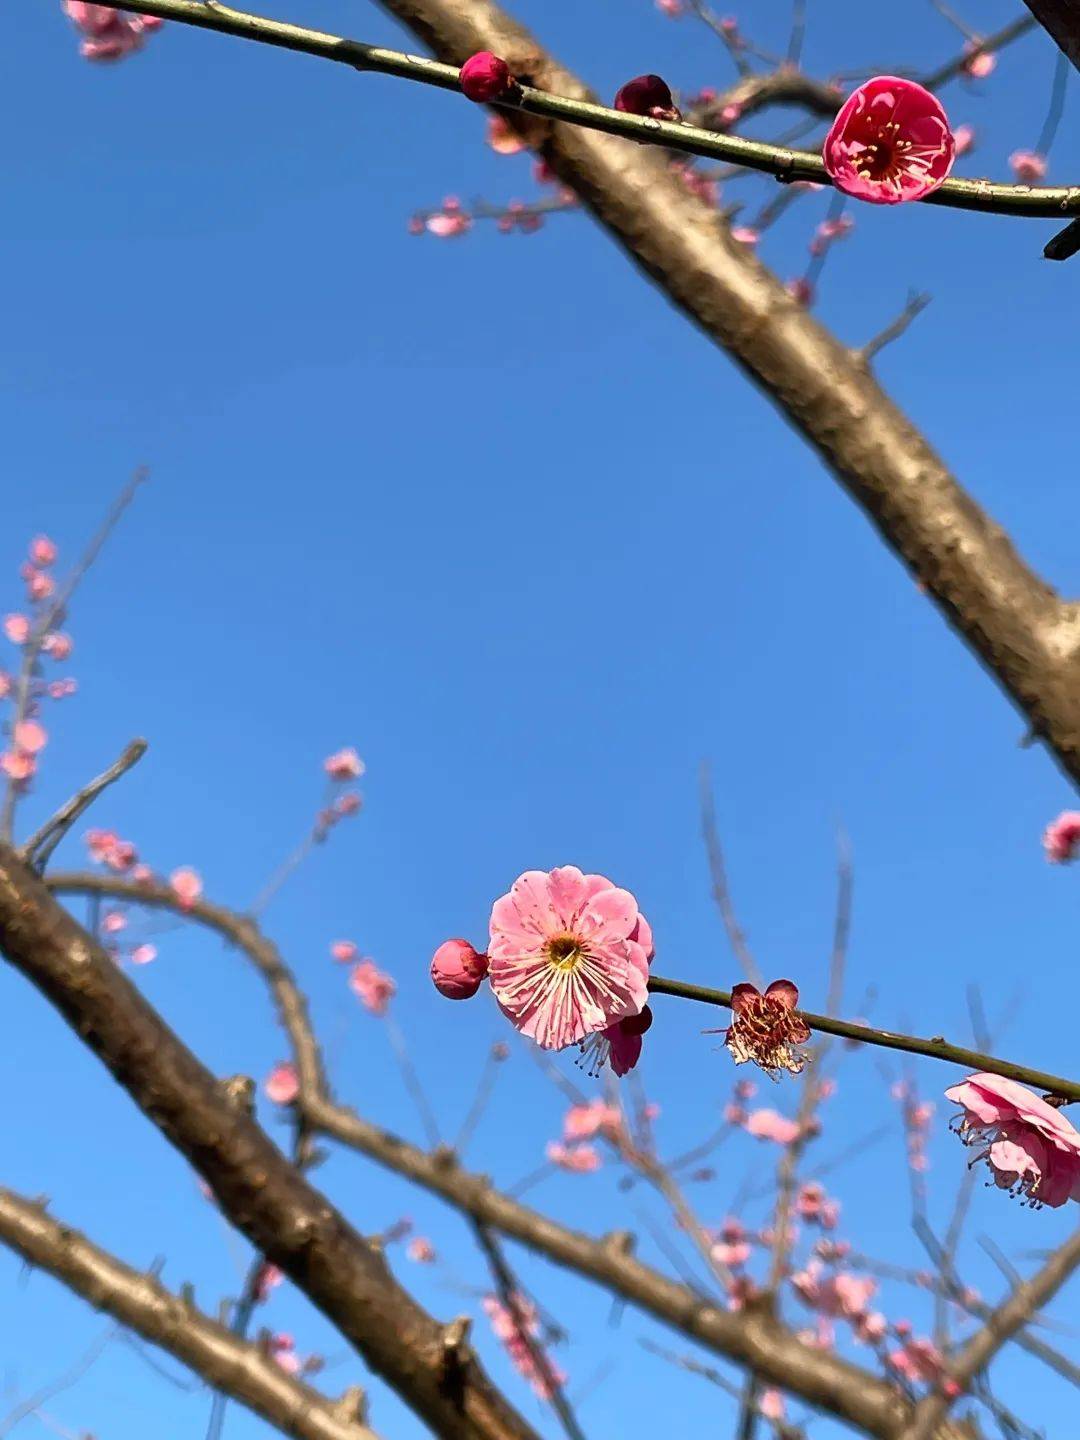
point(492, 512)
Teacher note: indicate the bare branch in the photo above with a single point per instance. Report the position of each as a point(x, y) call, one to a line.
point(33, 1403)
point(237, 1367)
point(916, 304)
point(1061, 19)
point(43, 842)
point(718, 875)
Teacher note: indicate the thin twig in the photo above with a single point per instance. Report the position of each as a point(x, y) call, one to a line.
point(937, 1048)
point(916, 304)
point(1056, 109)
point(51, 617)
point(43, 842)
point(510, 1293)
point(798, 32)
point(412, 1081)
point(718, 875)
point(25, 1408)
point(480, 1100)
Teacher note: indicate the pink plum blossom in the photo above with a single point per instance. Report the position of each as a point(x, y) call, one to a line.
point(42, 551)
point(344, 765)
point(1061, 837)
point(39, 586)
point(58, 647)
point(577, 1159)
point(372, 986)
point(889, 143)
point(503, 138)
point(17, 765)
point(113, 921)
point(1028, 166)
point(30, 736)
point(508, 1327)
point(771, 1405)
point(800, 290)
point(964, 136)
point(673, 9)
point(569, 955)
point(458, 970)
point(446, 227)
point(143, 954)
point(583, 1122)
point(343, 951)
point(1030, 1147)
point(733, 1247)
point(920, 1361)
point(268, 1277)
point(420, 1251)
point(17, 629)
point(771, 1125)
point(186, 884)
point(283, 1351)
point(109, 34)
point(979, 63)
point(745, 234)
point(282, 1085)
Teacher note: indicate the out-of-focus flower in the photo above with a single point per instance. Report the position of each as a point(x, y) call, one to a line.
point(1061, 837)
point(1028, 166)
point(17, 629)
point(186, 885)
point(420, 1251)
point(282, 1085)
point(577, 1159)
point(770, 1125)
point(373, 987)
point(344, 765)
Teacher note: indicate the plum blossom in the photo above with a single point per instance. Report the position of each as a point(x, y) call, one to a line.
point(577, 1159)
point(889, 143)
point(733, 1247)
point(964, 135)
point(673, 9)
point(18, 766)
point(42, 552)
point(344, 765)
point(771, 1405)
point(569, 956)
point(17, 629)
point(420, 1251)
point(618, 1045)
point(372, 986)
point(458, 970)
point(30, 736)
point(771, 1125)
point(186, 885)
point(39, 586)
point(282, 1085)
point(113, 921)
point(1061, 837)
point(109, 34)
point(979, 63)
point(143, 954)
point(1031, 1149)
point(58, 647)
point(765, 1028)
point(106, 848)
point(343, 951)
point(745, 234)
point(509, 1327)
point(814, 1206)
point(1028, 166)
point(583, 1122)
point(920, 1361)
point(503, 138)
point(268, 1277)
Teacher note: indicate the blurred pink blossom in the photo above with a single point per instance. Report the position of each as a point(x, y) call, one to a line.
point(577, 1159)
point(42, 551)
point(583, 1122)
point(771, 1125)
point(57, 647)
point(374, 988)
point(113, 921)
point(268, 1277)
point(502, 137)
point(30, 736)
point(187, 885)
point(344, 765)
point(421, 1251)
point(39, 586)
point(979, 63)
point(964, 135)
point(17, 629)
point(143, 954)
point(282, 1085)
point(1061, 837)
point(1028, 166)
point(17, 765)
point(771, 1405)
point(343, 951)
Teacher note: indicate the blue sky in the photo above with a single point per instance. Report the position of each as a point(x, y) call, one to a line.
point(492, 512)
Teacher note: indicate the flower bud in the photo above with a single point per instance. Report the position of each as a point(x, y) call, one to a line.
point(647, 95)
point(457, 969)
point(485, 77)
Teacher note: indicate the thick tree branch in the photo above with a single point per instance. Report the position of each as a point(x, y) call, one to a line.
point(753, 1338)
point(259, 1191)
point(240, 1369)
point(1009, 1317)
point(1061, 19)
point(1013, 621)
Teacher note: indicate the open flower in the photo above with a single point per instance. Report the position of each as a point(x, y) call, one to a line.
point(619, 1045)
point(1028, 166)
point(766, 1029)
point(1031, 1149)
point(890, 142)
point(372, 986)
point(577, 1159)
point(282, 1085)
point(569, 956)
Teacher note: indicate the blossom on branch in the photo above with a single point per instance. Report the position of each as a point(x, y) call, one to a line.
point(282, 1085)
point(766, 1029)
point(647, 95)
point(1028, 166)
point(485, 77)
point(569, 955)
point(889, 143)
point(1031, 1149)
point(109, 34)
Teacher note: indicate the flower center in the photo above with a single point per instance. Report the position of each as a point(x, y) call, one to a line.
point(564, 952)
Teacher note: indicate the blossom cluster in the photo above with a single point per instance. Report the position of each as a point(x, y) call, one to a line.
point(25, 688)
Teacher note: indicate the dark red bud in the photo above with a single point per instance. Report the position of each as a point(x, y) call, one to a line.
point(647, 95)
point(485, 77)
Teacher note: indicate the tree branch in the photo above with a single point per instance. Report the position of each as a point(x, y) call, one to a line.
point(258, 1190)
point(752, 1338)
point(242, 1370)
point(1061, 20)
point(1013, 621)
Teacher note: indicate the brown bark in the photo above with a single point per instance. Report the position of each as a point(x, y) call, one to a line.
point(257, 1188)
point(1061, 19)
point(238, 1368)
point(753, 1338)
point(1026, 636)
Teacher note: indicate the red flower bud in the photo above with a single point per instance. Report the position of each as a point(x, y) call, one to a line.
point(457, 969)
point(647, 95)
point(485, 77)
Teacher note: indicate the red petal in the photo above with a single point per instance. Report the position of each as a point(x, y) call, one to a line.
point(784, 992)
point(741, 995)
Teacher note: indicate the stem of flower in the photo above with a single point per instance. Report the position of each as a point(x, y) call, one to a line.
point(938, 1048)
